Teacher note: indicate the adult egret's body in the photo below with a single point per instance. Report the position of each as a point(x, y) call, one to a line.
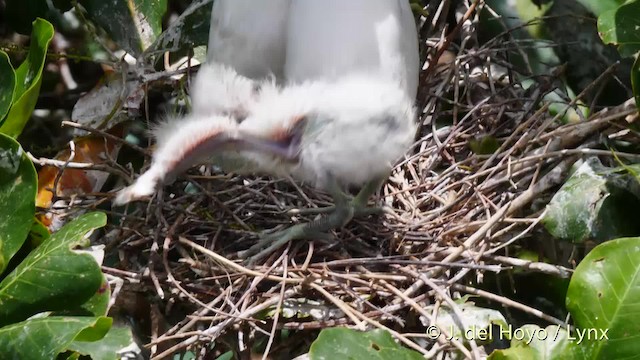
point(345, 115)
point(335, 38)
point(249, 36)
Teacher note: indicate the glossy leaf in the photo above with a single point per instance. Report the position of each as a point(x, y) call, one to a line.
point(595, 203)
point(53, 276)
point(132, 24)
point(28, 80)
point(599, 7)
point(532, 342)
point(191, 29)
point(106, 348)
point(39, 232)
point(17, 198)
point(7, 85)
point(45, 338)
point(344, 344)
point(99, 303)
point(476, 320)
point(620, 27)
point(604, 295)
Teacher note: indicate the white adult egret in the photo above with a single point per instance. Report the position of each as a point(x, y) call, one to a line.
point(345, 119)
point(302, 40)
point(334, 38)
point(249, 36)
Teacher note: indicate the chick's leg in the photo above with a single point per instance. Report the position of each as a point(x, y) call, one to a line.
point(340, 215)
point(358, 203)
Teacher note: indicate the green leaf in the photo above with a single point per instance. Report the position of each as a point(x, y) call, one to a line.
point(477, 322)
point(18, 186)
point(226, 356)
point(604, 293)
point(620, 27)
point(7, 85)
point(45, 338)
point(599, 7)
point(132, 24)
point(28, 80)
point(595, 203)
point(99, 302)
point(38, 233)
point(343, 343)
point(53, 276)
point(484, 144)
point(532, 342)
point(106, 348)
point(189, 30)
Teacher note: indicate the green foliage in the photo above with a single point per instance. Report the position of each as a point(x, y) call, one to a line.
point(134, 25)
point(595, 203)
point(98, 304)
point(533, 342)
point(603, 298)
point(18, 188)
point(477, 321)
point(46, 278)
point(7, 85)
point(599, 7)
point(28, 79)
point(620, 27)
point(44, 338)
point(484, 145)
point(604, 293)
point(103, 349)
point(56, 277)
point(53, 277)
point(343, 343)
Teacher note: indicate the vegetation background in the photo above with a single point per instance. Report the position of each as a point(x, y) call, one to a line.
point(515, 214)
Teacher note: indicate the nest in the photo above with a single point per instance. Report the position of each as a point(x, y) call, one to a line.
point(453, 216)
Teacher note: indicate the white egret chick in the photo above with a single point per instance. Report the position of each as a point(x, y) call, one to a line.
point(344, 117)
point(330, 133)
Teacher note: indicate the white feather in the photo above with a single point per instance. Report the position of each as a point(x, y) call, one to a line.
point(177, 142)
point(249, 35)
point(218, 89)
point(333, 38)
point(357, 127)
point(352, 66)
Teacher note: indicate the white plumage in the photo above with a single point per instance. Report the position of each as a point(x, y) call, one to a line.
point(321, 90)
point(328, 39)
point(354, 128)
point(250, 36)
point(218, 89)
point(351, 130)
